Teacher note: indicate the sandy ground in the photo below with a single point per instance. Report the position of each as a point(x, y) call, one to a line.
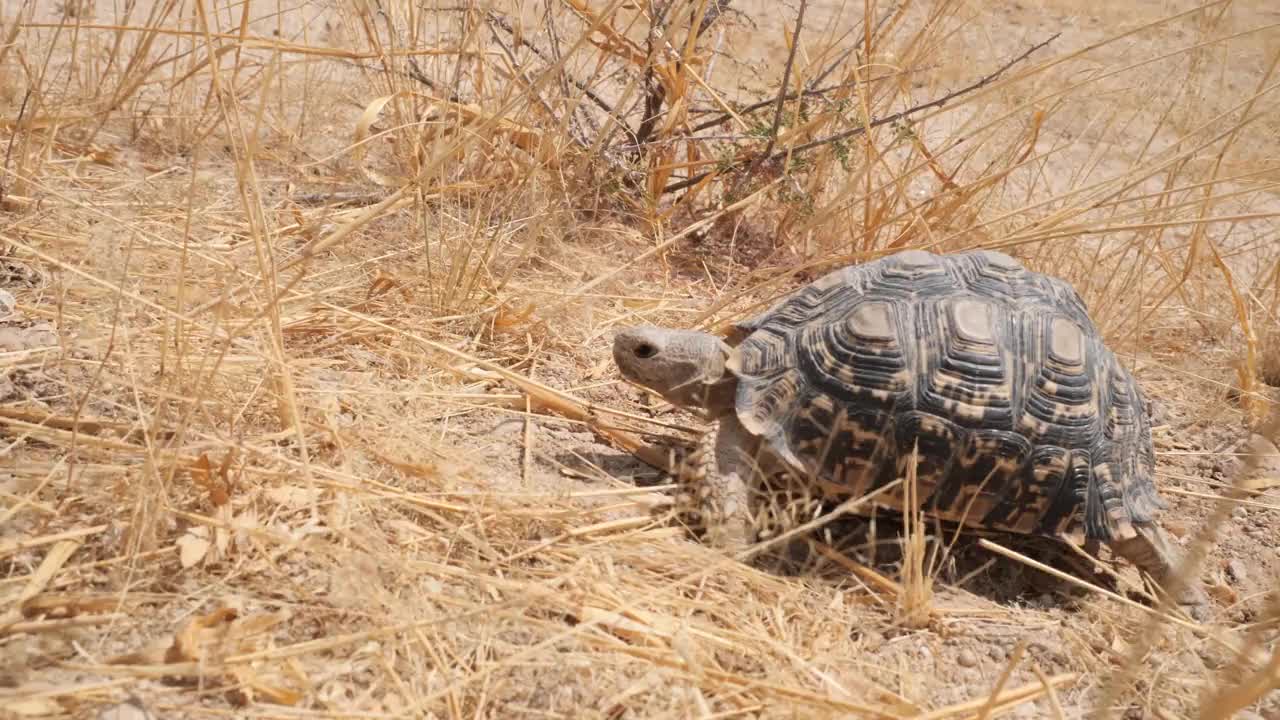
point(1198, 431)
point(446, 443)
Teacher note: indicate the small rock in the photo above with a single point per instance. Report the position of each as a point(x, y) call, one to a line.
point(1237, 570)
point(1225, 467)
point(1239, 513)
point(997, 653)
point(1266, 457)
point(967, 658)
point(1038, 646)
point(16, 339)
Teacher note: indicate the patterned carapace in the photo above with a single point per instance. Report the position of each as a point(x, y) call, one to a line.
point(1022, 418)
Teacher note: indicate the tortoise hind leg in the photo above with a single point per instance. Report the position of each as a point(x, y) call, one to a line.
point(1150, 551)
point(715, 487)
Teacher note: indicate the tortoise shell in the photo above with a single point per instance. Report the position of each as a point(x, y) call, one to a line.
point(1024, 420)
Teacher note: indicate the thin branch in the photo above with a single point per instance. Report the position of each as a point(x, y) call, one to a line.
point(977, 85)
point(811, 89)
point(786, 81)
point(496, 19)
point(718, 8)
point(854, 132)
point(655, 93)
point(753, 107)
point(599, 102)
point(578, 110)
point(522, 77)
point(17, 128)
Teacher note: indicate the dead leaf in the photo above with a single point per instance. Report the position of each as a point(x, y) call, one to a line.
point(385, 283)
point(192, 642)
point(209, 639)
point(1223, 593)
point(65, 605)
point(214, 483)
point(505, 318)
point(253, 687)
point(193, 546)
point(103, 157)
point(294, 496)
point(360, 148)
point(216, 635)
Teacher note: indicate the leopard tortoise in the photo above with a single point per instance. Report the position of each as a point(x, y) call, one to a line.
point(1020, 418)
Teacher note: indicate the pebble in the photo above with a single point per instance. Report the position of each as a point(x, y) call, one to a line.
point(1239, 513)
point(967, 658)
point(1238, 571)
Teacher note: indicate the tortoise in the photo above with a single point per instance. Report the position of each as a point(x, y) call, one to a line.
point(992, 376)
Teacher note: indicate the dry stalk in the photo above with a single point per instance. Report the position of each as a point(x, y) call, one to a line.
point(915, 601)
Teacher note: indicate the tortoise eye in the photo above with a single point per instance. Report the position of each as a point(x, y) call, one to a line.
point(645, 351)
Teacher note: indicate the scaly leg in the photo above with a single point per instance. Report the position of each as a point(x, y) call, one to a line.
point(716, 481)
point(1150, 550)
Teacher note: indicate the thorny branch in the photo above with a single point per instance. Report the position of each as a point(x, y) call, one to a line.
point(654, 92)
point(519, 38)
point(523, 76)
point(655, 95)
point(861, 129)
point(496, 19)
point(713, 13)
point(786, 80)
point(812, 90)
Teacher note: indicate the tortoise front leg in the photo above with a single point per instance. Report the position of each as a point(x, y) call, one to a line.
point(716, 480)
point(1150, 550)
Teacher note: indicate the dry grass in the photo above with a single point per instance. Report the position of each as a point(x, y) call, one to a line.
point(307, 406)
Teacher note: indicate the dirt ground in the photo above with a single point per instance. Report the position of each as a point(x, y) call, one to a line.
point(417, 544)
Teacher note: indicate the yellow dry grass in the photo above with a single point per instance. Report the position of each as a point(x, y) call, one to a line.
point(306, 406)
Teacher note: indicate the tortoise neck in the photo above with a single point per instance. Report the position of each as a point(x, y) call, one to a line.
point(720, 396)
point(710, 398)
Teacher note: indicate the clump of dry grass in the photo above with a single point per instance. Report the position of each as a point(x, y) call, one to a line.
point(915, 596)
point(304, 264)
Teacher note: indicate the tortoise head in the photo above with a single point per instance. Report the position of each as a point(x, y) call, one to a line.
point(686, 367)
